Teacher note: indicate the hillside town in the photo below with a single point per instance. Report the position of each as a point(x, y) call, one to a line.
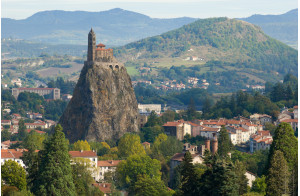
point(246, 134)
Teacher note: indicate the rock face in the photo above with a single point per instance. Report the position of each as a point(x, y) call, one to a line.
point(103, 105)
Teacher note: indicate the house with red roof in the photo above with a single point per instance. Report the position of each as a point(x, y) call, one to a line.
point(260, 141)
point(104, 188)
point(6, 144)
point(12, 154)
point(292, 122)
point(16, 116)
point(5, 122)
point(36, 125)
point(178, 129)
point(105, 167)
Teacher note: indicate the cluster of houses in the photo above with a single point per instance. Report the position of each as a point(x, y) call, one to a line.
point(289, 115)
point(146, 82)
point(13, 124)
point(240, 130)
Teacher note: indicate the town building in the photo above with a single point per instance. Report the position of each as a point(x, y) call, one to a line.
point(8, 143)
point(105, 167)
point(12, 154)
point(146, 109)
point(104, 188)
point(261, 119)
point(292, 122)
point(16, 116)
point(34, 115)
point(90, 155)
point(178, 129)
point(36, 125)
point(251, 178)
point(53, 92)
point(260, 141)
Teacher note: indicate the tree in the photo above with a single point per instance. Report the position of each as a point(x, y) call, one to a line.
point(82, 178)
point(278, 175)
point(189, 179)
point(224, 143)
point(150, 133)
point(170, 146)
point(128, 171)
point(130, 144)
point(22, 130)
point(259, 185)
point(55, 173)
point(191, 110)
point(34, 140)
point(81, 145)
point(220, 178)
point(285, 141)
point(242, 180)
point(31, 160)
point(5, 135)
point(153, 120)
point(13, 174)
point(146, 186)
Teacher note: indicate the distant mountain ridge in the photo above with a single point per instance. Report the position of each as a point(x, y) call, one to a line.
point(113, 27)
point(283, 27)
point(236, 42)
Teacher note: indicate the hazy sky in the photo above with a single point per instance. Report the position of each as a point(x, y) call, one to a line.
point(20, 9)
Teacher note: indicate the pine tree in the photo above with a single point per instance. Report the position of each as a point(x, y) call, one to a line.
point(55, 174)
point(286, 142)
point(219, 179)
point(188, 185)
point(278, 175)
point(191, 110)
point(242, 181)
point(31, 160)
point(224, 143)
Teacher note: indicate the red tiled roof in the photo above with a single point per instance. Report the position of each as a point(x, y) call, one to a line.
point(12, 153)
point(171, 124)
point(104, 187)
point(295, 107)
point(18, 115)
point(210, 129)
point(82, 154)
point(242, 129)
point(146, 143)
point(263, 133)
point(291, 120)
point(108, 163)
point(5, 121)
point(100, 45)
point(193, 124)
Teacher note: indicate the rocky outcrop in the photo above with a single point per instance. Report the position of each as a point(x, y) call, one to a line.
point(103, 105)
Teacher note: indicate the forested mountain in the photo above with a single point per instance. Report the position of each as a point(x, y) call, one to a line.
point(238, 43)
point(113, 27)
point(283, 27)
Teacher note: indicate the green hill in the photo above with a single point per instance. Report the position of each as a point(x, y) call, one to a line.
point(238, 43)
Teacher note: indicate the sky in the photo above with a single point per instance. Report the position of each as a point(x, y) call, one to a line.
point(21, 9)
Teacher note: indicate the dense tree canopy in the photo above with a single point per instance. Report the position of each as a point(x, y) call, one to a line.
point(13, 174)
point(130, 144)
point(55, 174)
point(130, 169)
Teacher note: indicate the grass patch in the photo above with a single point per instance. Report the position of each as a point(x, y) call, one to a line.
point(132, 71)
